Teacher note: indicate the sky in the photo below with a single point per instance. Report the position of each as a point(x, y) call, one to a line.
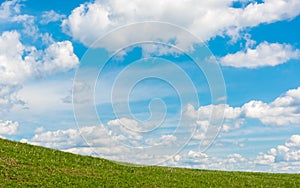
point(196, 84)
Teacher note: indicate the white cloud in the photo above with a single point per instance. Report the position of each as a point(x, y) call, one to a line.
point(29, 26)
point(59, 139)
point(47, 38)
point(235, 158)
point(9, 8)
point(90, 21)
point(199, 160)
point(59, 57)
point(112, 153)
point(165, 140)
point(10, 11)
point(125, 129)
point(51, 16)
point(8, 127)
point(85, 25)
point(41, 98)
point(14, 68)
point(283, 111)
point(287, 154)
point(197, 155)
point(19, 62)
point(39, 130)
point(264, 54)
point(9, 96)
point(203, 112)
point(280, 159)
point(128, 123)
point(97, 142)
point(232, 117)
point(293, 141)
point(265, 159)
point(269, 11)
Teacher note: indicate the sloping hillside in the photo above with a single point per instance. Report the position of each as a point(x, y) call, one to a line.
point(25, 165)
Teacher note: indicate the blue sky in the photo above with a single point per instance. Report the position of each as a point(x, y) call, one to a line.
point(151, 81)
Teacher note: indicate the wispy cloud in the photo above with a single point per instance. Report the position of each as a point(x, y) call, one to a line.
point(51, 16)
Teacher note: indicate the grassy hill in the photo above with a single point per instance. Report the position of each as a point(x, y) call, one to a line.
point(23, 165)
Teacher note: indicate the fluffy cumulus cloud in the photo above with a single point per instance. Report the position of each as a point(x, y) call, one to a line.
point(92, 20)
point(264, 54)
point(59, 57)
point(124, 129)
point(20, 62)
point(98, 142)
point(126, 122)
point(14, 66)
point(8, 127)
point(283, 111)
point(284, 156)
point(136, 134)
point(60, 139)
point(233, 118)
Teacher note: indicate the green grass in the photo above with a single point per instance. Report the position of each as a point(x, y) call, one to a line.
point(23, 165)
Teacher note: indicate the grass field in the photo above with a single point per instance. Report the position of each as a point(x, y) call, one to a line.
point(23, 165)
